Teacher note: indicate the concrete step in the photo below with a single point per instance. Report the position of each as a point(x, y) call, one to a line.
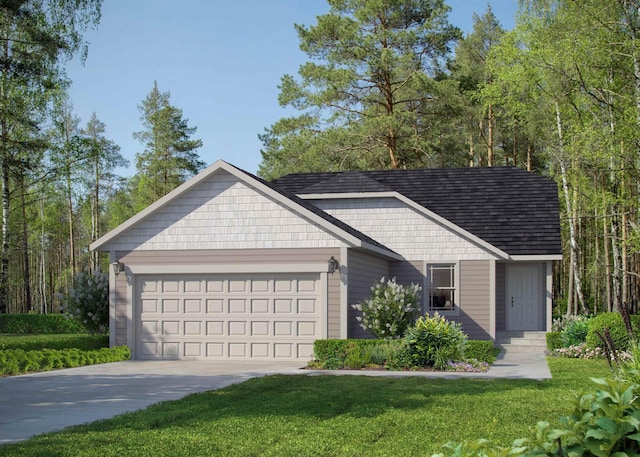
point(521, 341)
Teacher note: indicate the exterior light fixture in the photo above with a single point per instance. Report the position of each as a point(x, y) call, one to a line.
point(333, 265)
point(117, 267)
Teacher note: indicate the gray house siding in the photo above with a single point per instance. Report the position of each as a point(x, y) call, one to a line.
point(501, 284)
point(120, 310)
point(475, 298)
point(363, 270)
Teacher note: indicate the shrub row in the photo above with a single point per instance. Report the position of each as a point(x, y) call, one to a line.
point(29, 342)
point(355, 354)
point(581, 331)
point(39, 323)
point(18, 361)
point(362, 353)
point(614, 323)
point(554, 340)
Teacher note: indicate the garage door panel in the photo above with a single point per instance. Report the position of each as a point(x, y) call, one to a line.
point(237, 305)
point(170, 306)
point(149, 306)
point(258, 316)
point(283, 306)
point(170, 328)
point(193, 328)
point(307, 285)
point(260, 328)
point(260, 285)
point(193, 286)
point(192, 305)
point(215, 306)
point(215, 328)
point(260, 306)
point(170, 349)
point(307, 306)
point(169, 286)
point(149, 328)
point(283, 285)
point(149, 286)
point(306, 329)
point(236, 286)
point(215, 286)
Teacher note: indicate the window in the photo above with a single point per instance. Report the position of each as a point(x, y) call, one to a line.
point(441, 280)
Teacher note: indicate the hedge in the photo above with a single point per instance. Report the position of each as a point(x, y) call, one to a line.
point(359, 353)
point(39, 323)
point(613, 322)
point(29, 342)
point(481, 350)
point(554, 341)
point(18, 361)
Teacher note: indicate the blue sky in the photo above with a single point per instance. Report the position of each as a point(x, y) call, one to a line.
point(221, 62)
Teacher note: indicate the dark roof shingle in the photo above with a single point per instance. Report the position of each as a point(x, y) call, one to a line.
point(512, 209)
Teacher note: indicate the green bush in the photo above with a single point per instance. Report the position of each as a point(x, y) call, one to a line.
point(601, 424)
point(29, 342)
point(327, 349)
point(575, 332)
point(391, 308)
point(88, 301)
point(353, 354)
point(39, 323)
point(554, 340)
point(481, 350)
point(433, 341)
point(613, 321)
point(18, 361)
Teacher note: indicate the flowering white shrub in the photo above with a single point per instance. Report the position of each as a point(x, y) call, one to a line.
point(391, 308)
point(579, 351)
point(88, 301)
point(562, 322)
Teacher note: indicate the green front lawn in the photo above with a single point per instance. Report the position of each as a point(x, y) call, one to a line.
point(329, 416)
point(35, 342)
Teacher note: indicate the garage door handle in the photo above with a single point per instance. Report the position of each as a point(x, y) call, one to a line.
point(512, 302)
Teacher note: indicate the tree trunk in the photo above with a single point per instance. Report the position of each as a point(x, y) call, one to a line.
point(570, 212)
point(28, 302)
point(490, 134)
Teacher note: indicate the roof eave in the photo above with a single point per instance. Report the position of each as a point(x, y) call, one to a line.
point(535, 257)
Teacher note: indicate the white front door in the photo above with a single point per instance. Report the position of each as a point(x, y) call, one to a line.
point(524, 301)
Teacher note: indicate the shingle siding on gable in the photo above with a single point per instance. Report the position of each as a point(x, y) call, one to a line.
point(223, 213)
point(400, 228)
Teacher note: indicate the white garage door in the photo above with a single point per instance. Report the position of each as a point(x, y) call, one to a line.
point(259, 316)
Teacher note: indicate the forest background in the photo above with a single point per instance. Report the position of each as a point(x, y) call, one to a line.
point(386, 84)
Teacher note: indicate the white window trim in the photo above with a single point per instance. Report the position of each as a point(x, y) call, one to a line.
point(456, 277)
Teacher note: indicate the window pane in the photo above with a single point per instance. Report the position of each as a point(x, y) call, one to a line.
point(442, 299)
point(441, 287)
point(441, 276)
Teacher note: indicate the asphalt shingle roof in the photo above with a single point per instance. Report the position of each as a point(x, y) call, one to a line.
point(318, 212)
point(512, 209)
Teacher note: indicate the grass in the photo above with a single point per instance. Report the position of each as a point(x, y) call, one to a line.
point(328, 416)
point(35, 342)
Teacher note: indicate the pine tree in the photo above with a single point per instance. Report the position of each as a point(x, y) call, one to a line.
point(373, 93)
point(170, 156)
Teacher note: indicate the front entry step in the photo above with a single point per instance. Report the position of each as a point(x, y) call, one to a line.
point(521, 341)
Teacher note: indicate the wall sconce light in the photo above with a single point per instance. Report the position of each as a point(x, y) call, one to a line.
point(117, 267)
point(333, 265)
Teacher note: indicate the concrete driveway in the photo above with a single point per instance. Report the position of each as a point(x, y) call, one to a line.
point(44, 402)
